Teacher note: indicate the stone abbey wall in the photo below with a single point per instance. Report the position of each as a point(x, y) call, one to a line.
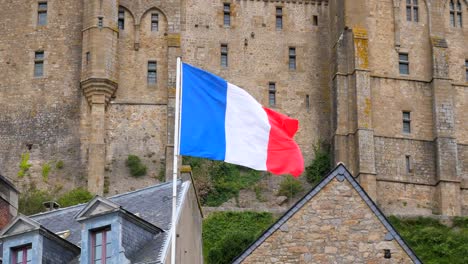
point(347, 65)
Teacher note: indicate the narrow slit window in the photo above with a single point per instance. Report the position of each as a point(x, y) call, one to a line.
point(406, 122)
point(154, 22)
point(88, 57)
point(224, 55)
point(39, 64)
point(403, 63)
point(42, 14)
point(412, 10)
point(227, 14)
point(22, 255)
point(100, 22)
point(466, 70)
point(292, 58)
point(272, 94)
point(307, 102)
point(152, 72)
point(279, 18)
point(408, 163)
point(121, 20)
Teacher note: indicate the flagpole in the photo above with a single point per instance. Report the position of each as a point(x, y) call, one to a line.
point(175, 164)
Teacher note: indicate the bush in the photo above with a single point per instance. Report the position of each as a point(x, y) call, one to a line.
point(31, 201)
point(45, 172)
point(75, 196)
point(137, 168)
point(59, 165)
point(227, 234)
point(217, 181)
point(290, 187)
point(24, 165)
point(320, 166)
point(434, 242)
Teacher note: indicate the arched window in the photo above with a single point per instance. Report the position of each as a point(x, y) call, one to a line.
point(456, 14)
point(412, 10)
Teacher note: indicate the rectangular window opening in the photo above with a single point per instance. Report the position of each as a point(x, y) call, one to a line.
point(121, 21)
point(22, 254)
point(307, 101)
point(409, 165)
point(412, 10)
point(224, 55)
point(466, 70)
point(39, 64)
point(315, 20)
point(88, 57)
point(152, 72)
point(403, 63)
point(154, 22)
point(227, 14)
point(101, 250)
point(292, 58)
point(406, 122)
point(279, 18)
point(272, 94)
point(42, 14)
point(100, 22)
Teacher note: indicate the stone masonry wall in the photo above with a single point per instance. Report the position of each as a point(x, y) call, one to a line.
point(336, 226)
point(40, 115)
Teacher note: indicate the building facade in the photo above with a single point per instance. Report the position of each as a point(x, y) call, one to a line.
point(87, 83)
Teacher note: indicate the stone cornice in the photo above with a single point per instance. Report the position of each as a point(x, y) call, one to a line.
point(98, 88)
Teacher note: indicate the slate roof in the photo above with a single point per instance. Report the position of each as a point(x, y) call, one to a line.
point(341, 173)
point(153, 204)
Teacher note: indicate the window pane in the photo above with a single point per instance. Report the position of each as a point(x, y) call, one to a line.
point(404, 68)
point(406, 115)
point(39, 55)
point(19, 256)
point(466, 63)
point(97, 262)
point(38, 69)
point(452, 19)
point(108, 251)
point(292, 63)
point(271, 99)
point(415, 15)
point(151, 65)
point(279, 22)
point(279, 11)
point(98, 252)
point(227, 19)
point(224, 60)
point(227, 8)
point(29, 254)
point(415, 2)
point(408, 13)
point(406, 127)
point(98, 240)
point(403, 57)
point(408, 164)
point(452, 6)
point(460, 23)
point(467, 75)
point(459, 6)
point(272, 87)
point(408, 2)
point(42, 18)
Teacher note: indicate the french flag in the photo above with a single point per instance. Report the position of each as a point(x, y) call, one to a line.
point(221, 121)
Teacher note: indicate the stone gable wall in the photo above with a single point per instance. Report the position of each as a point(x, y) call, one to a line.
point(336, 226)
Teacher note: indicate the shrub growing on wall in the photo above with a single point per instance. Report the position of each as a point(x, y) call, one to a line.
point(75, 196)
point(320, 166)
point(137, 168)
point(290, 187)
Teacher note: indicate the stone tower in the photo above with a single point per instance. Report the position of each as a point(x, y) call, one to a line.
point(99, 78)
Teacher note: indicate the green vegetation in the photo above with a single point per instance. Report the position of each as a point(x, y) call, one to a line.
point(290, 187)
point(24, 165)
point(320, 166)
point(137, 168)
point(106, 185)
point(217, 181)
point(75, 196)
point(32, 199)
point(59, 165)
point(162, 173)
point(227, 234)
point(434, 242)
point(45, 171)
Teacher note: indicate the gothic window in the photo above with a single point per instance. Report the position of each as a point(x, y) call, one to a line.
point(154, 22)
point(406, 122)
point(224, 55)
point(292, 58)
point(22, 255)
point(272, 94)
point(456, 19)
point(39, 64)
point(227, 14)
point(42, 13)
point(152, 72)
point(279, 18)
point(412, 10)
point(403, 63)
point(101, 252)
point(121, 20)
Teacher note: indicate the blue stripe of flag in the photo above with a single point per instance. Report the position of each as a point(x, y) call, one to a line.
point(203, 114)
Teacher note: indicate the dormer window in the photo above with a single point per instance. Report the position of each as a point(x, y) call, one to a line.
point(101, 252)
point(22, 255)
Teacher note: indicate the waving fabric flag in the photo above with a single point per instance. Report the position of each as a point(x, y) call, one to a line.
point(221, 121)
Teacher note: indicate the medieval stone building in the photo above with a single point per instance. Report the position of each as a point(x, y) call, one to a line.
point(86, 83)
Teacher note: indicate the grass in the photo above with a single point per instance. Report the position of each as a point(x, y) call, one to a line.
point(434, 242)
point(227, 234)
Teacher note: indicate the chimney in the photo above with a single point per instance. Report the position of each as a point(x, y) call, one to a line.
point(8, 201)
point(51, 205)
